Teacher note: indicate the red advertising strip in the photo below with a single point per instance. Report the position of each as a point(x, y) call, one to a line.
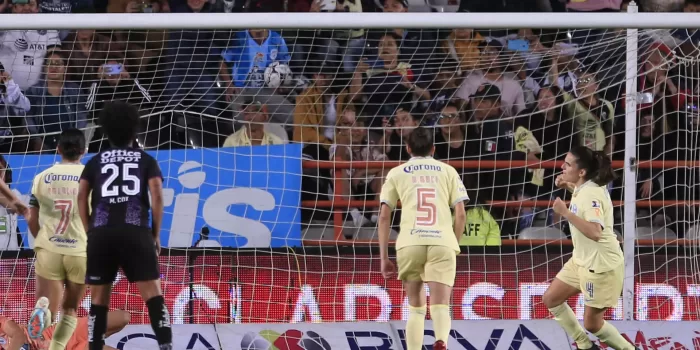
point(276, 287)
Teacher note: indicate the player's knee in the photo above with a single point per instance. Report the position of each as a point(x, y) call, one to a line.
point(592, 324)
point(123, 318)
point(550, 300)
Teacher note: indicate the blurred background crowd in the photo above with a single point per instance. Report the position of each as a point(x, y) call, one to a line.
point(525, 94)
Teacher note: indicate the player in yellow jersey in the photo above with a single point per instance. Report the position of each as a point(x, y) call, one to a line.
point(596, 266)
point(60, 239)
point(427, 245)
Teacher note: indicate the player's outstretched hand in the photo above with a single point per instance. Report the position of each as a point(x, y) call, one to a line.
point(560, 183)
point(388, 268)
point(559, 206)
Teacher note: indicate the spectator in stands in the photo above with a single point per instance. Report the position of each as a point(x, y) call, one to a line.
point(193, 62)
point(490, 138)
point(253, 132)
point(449, 138)
point(317, 107)
point(386, 82)
point(396, 132)
point(444, 87)
point(593, 116)
point(88, 50)
point(492, 71)
point(544, 132)
point(655, 81)
point(56, 104)
point(481, 228)
point(138, 6)
point(362, 183)
point(242, 69)
point(13, 105)
point(23, 51)
point(529, 85)
point(463, 46)
point(115, 83)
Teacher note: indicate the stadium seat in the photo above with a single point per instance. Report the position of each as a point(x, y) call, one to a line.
point(651, 232)
point(541, 233)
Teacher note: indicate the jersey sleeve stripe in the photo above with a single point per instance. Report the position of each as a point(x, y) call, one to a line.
point(384, 201)
point(460, 199)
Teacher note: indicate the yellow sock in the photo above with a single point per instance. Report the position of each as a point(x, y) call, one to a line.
point(611, 336)
point(567, 320)
point(415, 327)
point(442, 322)
point(64, 330)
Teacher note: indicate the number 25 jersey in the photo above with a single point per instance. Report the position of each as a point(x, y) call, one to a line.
point(428, 190)
point(55, 193)
point(119, 181)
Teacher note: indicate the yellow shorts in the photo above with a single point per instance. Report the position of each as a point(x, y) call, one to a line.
point(600, 290)
point(58, 267)
point(427, 263)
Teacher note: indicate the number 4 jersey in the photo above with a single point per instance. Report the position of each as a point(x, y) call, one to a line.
point(119, 181)
point(55, 193)
point(428, 190)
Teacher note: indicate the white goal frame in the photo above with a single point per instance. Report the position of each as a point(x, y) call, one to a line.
point(632, 20)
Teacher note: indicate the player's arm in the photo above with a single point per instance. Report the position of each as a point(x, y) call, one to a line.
point(16, 336)
point(9, 200)
point(33, 219)
point(590, 223)
point(458, 196)
point(155, 186)
point(460, 221)
point(84, 189)
point(388, 198)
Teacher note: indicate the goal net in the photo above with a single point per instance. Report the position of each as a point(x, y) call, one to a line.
point(285, 231)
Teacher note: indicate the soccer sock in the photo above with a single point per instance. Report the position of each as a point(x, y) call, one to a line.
point(160, 321)
point(567, 320)
point(611, 336)
point(97, 325)
point(64, 330)
point(415, 327)
point(442, 323)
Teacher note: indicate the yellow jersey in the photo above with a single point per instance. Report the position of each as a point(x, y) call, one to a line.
point(481, 229)
point(427, 189)
point(55, 193)
point(593, 204)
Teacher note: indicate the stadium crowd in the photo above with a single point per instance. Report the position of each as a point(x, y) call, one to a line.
point(355, 95)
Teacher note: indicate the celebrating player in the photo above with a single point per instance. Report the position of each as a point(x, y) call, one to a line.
point(596, 265)
point(14, 336)
point(60, 238)
point(119, 233)
point(426, 249)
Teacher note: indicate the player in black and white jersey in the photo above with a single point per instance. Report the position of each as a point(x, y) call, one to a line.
point(119, 231)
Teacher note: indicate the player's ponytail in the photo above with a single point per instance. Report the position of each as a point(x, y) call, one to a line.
point(71, 144)
point(604, 174)
point(596, 163)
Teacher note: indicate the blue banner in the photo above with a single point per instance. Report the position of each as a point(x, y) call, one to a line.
point(245, 196)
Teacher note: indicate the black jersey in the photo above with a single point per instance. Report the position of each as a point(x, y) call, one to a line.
point(119, 181)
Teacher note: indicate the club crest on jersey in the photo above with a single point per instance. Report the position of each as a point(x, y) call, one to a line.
point(595, 204)
point(574, 208)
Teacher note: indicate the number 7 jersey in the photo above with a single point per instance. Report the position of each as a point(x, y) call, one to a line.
point(119, 181)
point(428, 190)
point(55, 192)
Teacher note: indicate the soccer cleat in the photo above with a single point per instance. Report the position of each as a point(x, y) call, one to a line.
point(439, 345)
point(40, 318)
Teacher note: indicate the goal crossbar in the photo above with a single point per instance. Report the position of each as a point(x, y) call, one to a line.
point(350, 20)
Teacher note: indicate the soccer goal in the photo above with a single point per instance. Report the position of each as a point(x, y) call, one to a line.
point(274, 142)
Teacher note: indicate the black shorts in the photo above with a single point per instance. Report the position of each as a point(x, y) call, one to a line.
point(130, 247)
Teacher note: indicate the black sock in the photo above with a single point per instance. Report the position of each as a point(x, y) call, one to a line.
point(97, 326)
point(160, 321)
